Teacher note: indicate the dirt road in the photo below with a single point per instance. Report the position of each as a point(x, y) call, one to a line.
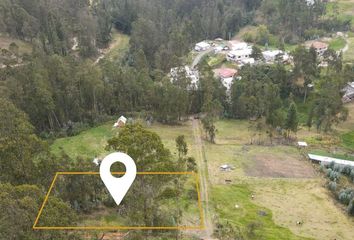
point(204, 181)
point(200, 56)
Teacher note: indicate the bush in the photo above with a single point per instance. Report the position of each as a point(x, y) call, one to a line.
point(346, 195)
point(332, 186)
point(350, 208)
point(338, 168)
point(346, 170)
point(334, 176)
point(352, 174)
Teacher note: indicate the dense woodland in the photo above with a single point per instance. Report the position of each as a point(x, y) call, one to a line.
point(57, 92)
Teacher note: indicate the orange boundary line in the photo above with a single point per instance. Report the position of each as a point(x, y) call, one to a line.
point(201, 227)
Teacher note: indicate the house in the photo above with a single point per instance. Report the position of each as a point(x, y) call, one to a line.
point(271, 55)
point(348, 92)
point(226, 76)
point(120, 122)
point(247, 61)
point(186, 71)
point(238, 55)
point(202, 46)
point(320, 47)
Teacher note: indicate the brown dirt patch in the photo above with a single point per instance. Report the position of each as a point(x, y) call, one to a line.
point(273, 166)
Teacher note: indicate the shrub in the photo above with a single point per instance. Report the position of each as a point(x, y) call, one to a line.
point(352, 174)
point(338, 168)
point(332, 186)
point(346, 195)
point(346, 170)
point(350, 208)
point(334, 176)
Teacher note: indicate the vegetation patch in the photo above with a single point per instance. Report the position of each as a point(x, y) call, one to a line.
point(238, 213)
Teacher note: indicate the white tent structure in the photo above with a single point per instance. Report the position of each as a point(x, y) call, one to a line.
point(328, 160)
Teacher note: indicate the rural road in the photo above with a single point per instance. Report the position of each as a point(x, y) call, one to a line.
point(346, 47)
point(200, 56)
point(203, 175)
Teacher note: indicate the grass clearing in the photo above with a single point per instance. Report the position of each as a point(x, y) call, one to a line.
point(337, 44)
point(91, 143)
point(119, 46)
point(303, 200)
point(348, 56)
point(24, 47)
point(87, 144)
point(226, 198)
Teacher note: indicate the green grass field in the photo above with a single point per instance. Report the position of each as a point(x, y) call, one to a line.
point(119, 46)
point(247, 213)
point(337, 43)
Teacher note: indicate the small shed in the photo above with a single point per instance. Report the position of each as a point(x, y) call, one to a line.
point(120, 122)
point(226, 167)
point(302, 144)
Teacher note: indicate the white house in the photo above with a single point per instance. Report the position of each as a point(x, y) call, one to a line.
point(202, 46)
point(348, 92)
point(239, 55)
point(271, 55)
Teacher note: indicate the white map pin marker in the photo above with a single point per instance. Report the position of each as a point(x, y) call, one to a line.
point(118, 186)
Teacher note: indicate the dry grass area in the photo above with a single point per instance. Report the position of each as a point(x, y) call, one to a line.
point(307, 201)
point(274, 166)
point(281, 179)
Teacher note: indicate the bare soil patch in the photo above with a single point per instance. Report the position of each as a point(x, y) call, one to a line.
point(274, 166)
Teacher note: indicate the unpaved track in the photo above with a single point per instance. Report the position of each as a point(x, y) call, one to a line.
point(203, 175)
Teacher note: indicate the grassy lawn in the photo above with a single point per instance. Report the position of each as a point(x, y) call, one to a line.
point(248, 213)
point(119, 46)
point(348, 140)
point(348, 56)
point(88, 144)
point(91, 143)
point(24, 47)
point(337, 43)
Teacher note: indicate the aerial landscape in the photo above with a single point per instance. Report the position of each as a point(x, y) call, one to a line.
point(234, 119)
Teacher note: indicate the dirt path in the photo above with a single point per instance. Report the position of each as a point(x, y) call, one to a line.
point(203, 174)
point(200, 56)
point(103, 52)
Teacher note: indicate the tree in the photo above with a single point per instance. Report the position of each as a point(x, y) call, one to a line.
point(209, 127)
point(291, 121)
point(181, 146)
point(149, 154)
point(18, 210)
point(145, 147)
point(327, 106)
point(257, 53)
point(18, 145)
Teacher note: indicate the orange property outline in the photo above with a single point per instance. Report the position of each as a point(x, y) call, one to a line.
point(200, 227)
